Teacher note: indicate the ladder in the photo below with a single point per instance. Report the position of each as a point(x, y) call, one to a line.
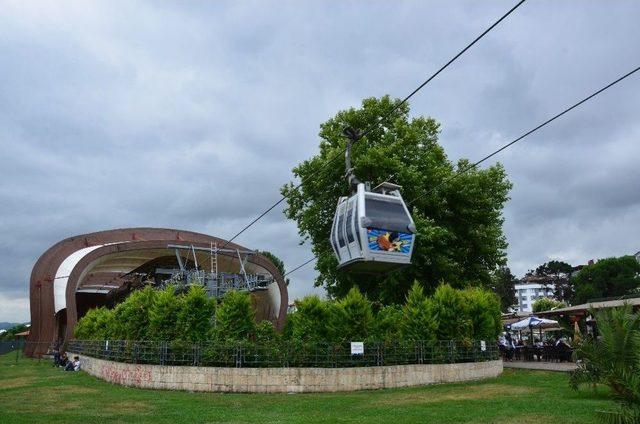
point(214, 260)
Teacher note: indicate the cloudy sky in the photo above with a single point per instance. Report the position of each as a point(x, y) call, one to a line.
point(191, 115)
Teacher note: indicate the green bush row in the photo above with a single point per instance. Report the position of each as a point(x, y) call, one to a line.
point(165, 315)
point(162, 315)
point(467, 314)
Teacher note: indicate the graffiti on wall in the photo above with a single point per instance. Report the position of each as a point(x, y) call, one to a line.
point(126, 375)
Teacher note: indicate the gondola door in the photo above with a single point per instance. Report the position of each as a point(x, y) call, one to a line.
point(340, 232)
point(351, 229)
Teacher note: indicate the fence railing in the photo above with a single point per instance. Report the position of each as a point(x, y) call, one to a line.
point(286, 354)
point(7, 346)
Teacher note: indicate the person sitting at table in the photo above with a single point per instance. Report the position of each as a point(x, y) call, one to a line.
point(511, 347)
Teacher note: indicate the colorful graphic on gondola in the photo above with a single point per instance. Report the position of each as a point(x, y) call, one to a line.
point(388, 241)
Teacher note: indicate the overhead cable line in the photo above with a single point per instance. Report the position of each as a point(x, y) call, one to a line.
point(506, 146)
point(385, 116)
point(302, 265)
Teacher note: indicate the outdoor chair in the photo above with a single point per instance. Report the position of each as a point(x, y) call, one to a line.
point(551, 354)
point(519, 352)
point(529, 353)
point(565, 354)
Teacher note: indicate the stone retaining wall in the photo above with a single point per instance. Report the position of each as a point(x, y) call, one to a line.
point(284, 380)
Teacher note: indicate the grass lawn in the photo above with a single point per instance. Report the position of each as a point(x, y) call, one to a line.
point(32, 391)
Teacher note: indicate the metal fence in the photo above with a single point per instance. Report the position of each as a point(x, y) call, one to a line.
point(11, 345)
point(14, 350)
point(280, 354)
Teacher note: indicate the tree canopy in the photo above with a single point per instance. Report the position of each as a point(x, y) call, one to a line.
point(459, 220)
point(10, 333)
point(503, 284)
point(277, 262)
point(546, 304)
point(606, 278)
point(557, 275)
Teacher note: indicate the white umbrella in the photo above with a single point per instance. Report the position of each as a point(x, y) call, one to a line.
point(533, 322)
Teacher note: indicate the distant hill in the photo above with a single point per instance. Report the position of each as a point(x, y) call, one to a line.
point(8, 325)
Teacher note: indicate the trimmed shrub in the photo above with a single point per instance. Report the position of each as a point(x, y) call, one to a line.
point(235, 317)
point(97, 324)
point(195, 318)
point(450, 314)
point(163, 315)
point(132, 315)
point(387, 324)
point(417, 321)
point(310, 321)
point(351, 318)
point(483, 312)
point(266, 332)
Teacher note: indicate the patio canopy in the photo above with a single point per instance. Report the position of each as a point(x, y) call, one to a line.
point(533, 322)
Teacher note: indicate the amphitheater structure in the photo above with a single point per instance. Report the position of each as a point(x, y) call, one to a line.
point(101, 268)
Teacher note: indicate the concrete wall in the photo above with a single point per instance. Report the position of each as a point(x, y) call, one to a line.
point(284, 380)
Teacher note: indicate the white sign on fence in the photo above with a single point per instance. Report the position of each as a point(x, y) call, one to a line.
point(357, 348)
point(483, 345)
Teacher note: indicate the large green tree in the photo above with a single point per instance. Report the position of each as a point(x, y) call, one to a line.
point(555, 275)
point(606, 278)
point(503, 284)
point(459, 220)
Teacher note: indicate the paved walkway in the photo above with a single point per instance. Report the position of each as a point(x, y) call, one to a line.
point(546, 366)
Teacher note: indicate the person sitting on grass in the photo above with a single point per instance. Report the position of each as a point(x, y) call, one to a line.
point(73, 365)
point(64, 360)
point(56, 356)
point(76, 363)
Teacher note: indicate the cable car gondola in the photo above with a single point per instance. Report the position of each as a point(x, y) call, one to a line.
point(372, 231)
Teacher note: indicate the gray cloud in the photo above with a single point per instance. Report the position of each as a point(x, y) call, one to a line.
point(192, 115)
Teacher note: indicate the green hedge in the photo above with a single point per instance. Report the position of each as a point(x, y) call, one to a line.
point(165, 315)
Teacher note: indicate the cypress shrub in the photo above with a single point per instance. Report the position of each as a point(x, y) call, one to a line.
point(235, 317)
point(417, 321)
point(266, 332)
point(97, 324)
point(132, 315)
point(387, 324)
point(483, 313)
point(310, 321)
point(351, 318)
point(450, 314)
point(195, 318)
point(163, 315)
